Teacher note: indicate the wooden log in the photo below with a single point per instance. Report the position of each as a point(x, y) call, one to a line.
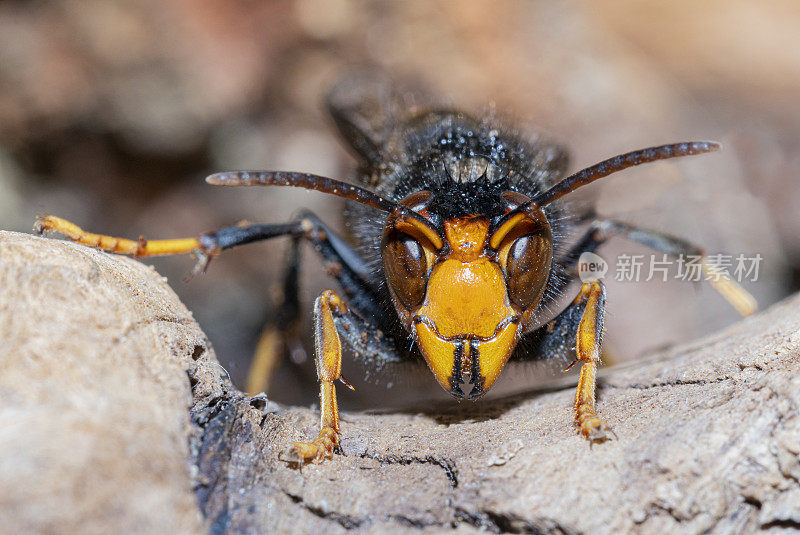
point(115, 416)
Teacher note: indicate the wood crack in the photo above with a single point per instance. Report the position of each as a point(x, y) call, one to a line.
point(448, 465)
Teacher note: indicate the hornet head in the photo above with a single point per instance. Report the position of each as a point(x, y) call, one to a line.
point(463, 288)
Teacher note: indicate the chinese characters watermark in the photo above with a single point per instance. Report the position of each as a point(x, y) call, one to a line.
point(664, 267)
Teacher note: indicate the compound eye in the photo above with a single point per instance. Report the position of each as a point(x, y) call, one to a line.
point(406, 268)
point(528, 268)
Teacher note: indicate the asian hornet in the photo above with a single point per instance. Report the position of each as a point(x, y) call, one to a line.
point(463, 248)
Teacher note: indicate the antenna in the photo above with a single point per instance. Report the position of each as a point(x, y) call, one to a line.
point(618, 163)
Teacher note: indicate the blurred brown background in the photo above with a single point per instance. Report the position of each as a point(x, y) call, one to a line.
point(112, 112)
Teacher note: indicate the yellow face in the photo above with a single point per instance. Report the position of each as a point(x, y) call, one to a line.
point(464, 291)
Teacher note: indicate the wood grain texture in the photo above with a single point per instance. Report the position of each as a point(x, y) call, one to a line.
point(101, 421)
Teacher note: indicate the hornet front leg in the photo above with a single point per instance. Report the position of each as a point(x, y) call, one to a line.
point(574, 337)
point(587, 348)
point(328, 358)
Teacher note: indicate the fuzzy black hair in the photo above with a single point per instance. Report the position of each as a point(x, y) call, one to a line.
point(452, 199)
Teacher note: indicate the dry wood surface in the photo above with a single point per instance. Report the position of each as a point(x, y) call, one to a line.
point(116, 417)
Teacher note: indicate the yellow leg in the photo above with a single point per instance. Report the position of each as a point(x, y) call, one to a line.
point(267, 357)
point(328, 357)
point(587, 345)
point(273, 344)
point(744, 303)
point(138, 248)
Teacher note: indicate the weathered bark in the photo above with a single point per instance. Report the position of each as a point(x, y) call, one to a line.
point(94, 393)
point(95, 367)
